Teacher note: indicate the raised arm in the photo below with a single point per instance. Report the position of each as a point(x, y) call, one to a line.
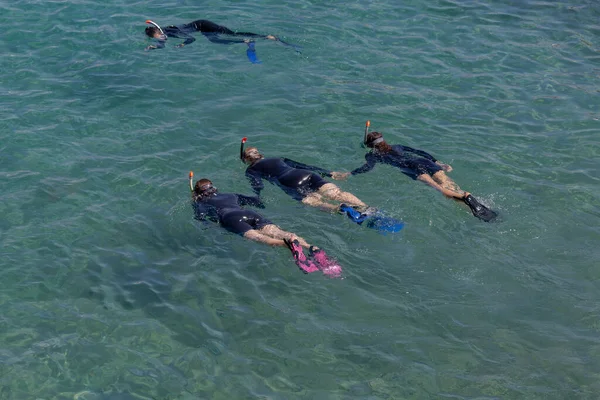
point(371, 160)
point(296, 164)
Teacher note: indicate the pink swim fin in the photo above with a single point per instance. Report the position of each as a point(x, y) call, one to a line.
point(328, 265)
point(306, 265)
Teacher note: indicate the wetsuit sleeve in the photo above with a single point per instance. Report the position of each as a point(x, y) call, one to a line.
point(250, 201)
point(318, 170)
point(188, 38)
point(419, 152)
point(255, 181)
point(202, 212)
point(160, 44)
point(369, 165)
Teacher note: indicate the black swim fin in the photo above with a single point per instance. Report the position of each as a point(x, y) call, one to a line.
point(479, 210)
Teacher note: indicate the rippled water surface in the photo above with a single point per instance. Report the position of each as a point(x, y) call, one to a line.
point(109, 289)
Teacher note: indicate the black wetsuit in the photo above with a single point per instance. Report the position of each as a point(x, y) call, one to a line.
point(411, 161)
point(209, 29)
point(295, 178)
point(226, 209)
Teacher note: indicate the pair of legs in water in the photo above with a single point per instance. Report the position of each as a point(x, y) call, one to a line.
point(441, 182)
point(324, 197)
point(273, 235)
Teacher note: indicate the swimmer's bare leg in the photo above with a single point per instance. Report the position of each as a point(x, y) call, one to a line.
point(257, 236)
point(316, 200)
point(276, 232)
point(447, 183)
point(447, 192)
point(332, 192)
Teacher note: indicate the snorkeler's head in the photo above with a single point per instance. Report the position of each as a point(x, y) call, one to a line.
point(251, 155)
point(155, 33)
point(373, 138)
point(151, 31)
point(204, 188)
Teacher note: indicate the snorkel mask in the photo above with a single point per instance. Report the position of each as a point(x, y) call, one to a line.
point(374, 142)
point(162, 33)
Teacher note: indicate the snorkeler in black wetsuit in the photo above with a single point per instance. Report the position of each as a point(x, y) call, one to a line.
point(296, 179)
point(209, 29)
point(226, 208)
point(419, 165)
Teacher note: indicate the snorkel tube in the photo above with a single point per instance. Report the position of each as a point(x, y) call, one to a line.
point(367, 125)
point(162, 33)
point(242, 148)
point(191, 178)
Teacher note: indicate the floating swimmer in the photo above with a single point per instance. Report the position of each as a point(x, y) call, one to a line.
point(419, 165)
point(209, 29)
point(302, 182)
point(226, 208)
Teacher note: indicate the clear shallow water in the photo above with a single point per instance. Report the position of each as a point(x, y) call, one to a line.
point(109, 289)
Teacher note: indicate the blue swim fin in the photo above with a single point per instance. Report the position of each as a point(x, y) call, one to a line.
point(251, 53)
point(354, 215)
point(375, 220)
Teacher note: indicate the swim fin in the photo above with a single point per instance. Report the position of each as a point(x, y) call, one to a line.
point(307, 266)
point(479, 210)
point(354, 215)
point(328, 265)
point(251, 53)
point(296, 48)
point(374, 219)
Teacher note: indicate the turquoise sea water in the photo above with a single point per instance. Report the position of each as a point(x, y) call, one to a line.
point(110, 290)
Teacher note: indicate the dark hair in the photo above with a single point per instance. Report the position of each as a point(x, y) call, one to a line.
point(204, 188)
point(382, 146)
point(151, 30)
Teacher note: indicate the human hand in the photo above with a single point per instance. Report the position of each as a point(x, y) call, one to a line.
point(180, 45)
point(271, 37)
point(445, 167)
point(338, 176)
point(151, 47)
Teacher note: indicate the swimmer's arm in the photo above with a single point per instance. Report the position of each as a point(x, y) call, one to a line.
point(202, 212)
point(419, 152)
point(255, 181)
point(255, 235)
point(160, 44)
point(369, 165)
point(296, 164)
point(445, 167)
point(189, 39)
point(250, 201)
